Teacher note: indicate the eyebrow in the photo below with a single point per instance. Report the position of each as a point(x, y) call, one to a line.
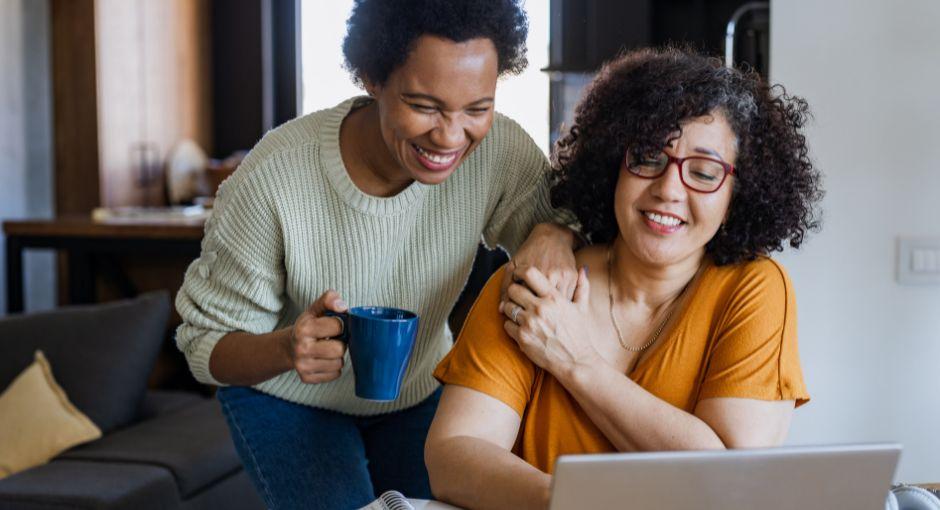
point(710, 152)
point(435, 100)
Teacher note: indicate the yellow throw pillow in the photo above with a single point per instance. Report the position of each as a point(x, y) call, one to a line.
point(37, 421)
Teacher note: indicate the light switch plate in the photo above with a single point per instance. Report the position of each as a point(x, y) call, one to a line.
point(918, 260)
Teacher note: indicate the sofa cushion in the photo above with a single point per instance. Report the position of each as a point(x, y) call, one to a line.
point(232, 493)
point(37, 421)
point(193, 443)
point(73, 484)
point(157, 402)
point(102, 354)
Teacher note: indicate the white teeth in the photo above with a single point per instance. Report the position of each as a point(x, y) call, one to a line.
point(434, 158)
point(668, 221)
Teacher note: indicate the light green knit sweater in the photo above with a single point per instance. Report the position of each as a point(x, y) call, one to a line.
point(290, 224)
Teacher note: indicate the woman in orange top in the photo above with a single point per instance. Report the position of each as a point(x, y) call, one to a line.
point(684, 175)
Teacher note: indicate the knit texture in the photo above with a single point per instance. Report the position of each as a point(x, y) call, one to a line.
point(290, 224)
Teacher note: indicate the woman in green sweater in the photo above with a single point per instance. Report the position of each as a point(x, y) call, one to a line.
point(380, 200)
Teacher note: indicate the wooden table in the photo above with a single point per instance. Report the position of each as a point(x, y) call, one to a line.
point(88, 245)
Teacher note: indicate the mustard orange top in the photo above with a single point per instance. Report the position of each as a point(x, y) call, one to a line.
point(735, 337)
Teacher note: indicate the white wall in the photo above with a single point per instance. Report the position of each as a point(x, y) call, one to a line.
point(870, 347)
point(26, 136)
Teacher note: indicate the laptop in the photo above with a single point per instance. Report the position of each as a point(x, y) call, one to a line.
point(805, 478)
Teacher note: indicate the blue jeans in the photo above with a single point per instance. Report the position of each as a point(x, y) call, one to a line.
point(299, 456)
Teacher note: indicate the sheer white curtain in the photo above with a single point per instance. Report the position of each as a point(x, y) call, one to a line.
point(324, 82)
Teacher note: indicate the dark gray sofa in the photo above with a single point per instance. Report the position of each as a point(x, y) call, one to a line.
point(160, 449)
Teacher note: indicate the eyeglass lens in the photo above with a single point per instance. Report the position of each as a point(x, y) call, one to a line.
point(700, 174)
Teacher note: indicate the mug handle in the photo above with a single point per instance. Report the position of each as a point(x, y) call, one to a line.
point(343, 318)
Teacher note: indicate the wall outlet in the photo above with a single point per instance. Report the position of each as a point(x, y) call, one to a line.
point(919, 261)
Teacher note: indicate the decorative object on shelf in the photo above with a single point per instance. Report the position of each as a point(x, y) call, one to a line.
point(186, 172)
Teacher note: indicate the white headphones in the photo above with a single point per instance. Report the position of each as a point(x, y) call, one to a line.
point(908, 497)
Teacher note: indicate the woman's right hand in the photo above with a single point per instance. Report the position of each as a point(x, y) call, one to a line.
point(313, 352)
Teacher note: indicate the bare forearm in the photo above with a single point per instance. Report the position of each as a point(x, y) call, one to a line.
point(634, 419)
point(476, 474)
point(244, 359)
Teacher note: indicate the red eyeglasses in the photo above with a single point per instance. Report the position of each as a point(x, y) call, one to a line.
point(698, 173)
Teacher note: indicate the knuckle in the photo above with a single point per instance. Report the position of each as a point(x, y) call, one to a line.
point(328, 349)
point(301, 328)
point(305, 347)
point(336, 349)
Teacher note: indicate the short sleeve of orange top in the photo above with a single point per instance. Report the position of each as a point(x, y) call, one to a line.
point(736, 337)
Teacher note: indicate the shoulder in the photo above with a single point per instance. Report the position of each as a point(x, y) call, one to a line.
point(507, 133)
point(283, 150)
point(299, 137)
point(505, 126)
point(763, 272)
point(760, 287)
point(508, 138)
point(483, 328)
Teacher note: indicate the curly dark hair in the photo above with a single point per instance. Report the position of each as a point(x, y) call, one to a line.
point(639, 100)
point(380, 34)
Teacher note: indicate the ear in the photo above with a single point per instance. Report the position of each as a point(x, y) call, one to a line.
point(371, 87)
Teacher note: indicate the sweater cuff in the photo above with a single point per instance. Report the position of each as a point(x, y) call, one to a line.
point(198, 359)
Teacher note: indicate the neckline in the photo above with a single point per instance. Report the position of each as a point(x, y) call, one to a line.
point(679, 315)
point(331, 161)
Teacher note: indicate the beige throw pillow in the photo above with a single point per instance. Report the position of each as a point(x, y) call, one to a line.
point(37, 421)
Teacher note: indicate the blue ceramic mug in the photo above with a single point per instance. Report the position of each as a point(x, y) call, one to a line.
point(380, 341)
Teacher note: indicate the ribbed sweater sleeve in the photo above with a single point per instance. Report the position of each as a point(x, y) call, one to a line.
point(237, 282)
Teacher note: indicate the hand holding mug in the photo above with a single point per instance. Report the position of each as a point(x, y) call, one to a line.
point(312, 350)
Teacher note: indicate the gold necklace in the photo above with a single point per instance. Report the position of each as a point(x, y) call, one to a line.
point(610, 297)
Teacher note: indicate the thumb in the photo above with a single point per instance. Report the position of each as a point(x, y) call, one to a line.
point(329, 300)
point(583, 290)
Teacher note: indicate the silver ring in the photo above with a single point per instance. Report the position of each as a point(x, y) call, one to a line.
point(515, 313)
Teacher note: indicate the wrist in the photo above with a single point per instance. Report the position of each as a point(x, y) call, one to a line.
point(284, 345)
point(580, 373)
point(564, 234)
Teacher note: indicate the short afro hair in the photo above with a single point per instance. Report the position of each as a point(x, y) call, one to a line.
point(639, 101)
point(381, 33)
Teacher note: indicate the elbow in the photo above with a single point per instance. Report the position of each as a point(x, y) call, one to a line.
point(432, 459)
point(435, 458)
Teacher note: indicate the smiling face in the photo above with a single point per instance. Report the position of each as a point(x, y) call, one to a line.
point(662, 222)
point(436, 108)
